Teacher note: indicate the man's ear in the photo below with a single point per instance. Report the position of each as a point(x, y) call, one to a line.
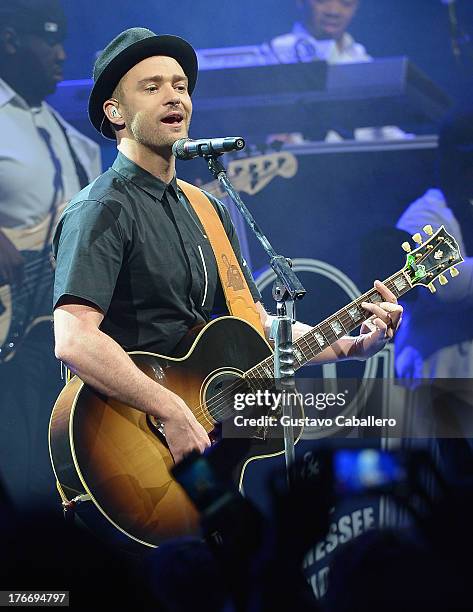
point(10, 40)
point(111, 112)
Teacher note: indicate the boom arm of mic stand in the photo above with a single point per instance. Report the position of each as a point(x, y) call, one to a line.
point(278, 263)
point(286, 290)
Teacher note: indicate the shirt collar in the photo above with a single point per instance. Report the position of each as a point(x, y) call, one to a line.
point(346, 42)
point(7, 95)
point(143, 179)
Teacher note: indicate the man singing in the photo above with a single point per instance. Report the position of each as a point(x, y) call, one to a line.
point(135, 270)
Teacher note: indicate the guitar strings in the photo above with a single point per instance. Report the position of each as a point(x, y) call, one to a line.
point(308, 338)
point(225, 395)
point(30, 268)
point(341, 316)
point(24, 291)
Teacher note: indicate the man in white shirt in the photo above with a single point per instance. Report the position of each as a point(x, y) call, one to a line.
point(43, 162)
point(434, 348)
point(31, 59)
point(321, 34)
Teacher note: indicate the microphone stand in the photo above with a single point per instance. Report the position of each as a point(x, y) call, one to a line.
point(286, 290)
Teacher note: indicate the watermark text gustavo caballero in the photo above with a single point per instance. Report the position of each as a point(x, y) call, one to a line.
point(275, 401)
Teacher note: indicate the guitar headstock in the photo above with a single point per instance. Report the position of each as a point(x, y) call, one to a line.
point(432, 258)
point(252, 174)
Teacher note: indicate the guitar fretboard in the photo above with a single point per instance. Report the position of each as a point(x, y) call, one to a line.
point(332, 329)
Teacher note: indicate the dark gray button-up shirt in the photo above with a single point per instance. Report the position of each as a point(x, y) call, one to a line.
point(134, 247)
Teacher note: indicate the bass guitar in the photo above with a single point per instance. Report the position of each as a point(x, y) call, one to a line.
point(25, 304)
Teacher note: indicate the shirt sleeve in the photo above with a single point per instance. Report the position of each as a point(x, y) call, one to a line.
point(234, 241)
point(88, 246)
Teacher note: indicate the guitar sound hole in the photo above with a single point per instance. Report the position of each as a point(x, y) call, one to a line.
point(220, 394)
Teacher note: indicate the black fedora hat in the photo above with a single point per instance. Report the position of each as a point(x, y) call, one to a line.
point(125, 51)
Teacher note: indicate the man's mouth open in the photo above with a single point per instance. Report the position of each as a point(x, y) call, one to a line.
point(175, 119)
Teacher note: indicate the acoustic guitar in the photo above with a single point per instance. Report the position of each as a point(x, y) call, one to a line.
point(111, 461)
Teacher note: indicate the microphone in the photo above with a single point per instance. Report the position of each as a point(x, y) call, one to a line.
point(186, 148)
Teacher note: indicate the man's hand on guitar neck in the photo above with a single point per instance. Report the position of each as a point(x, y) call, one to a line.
point(381, 326)
point(374, 333)
point(11, 262)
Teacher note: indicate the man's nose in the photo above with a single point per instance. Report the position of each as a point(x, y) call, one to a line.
point(171, 95)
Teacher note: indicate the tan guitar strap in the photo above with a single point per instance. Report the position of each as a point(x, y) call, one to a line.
point(239, 300)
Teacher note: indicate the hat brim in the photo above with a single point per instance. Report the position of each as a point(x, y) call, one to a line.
point(170, 46)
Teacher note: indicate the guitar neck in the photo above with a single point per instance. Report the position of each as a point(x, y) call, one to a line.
point(333, 328)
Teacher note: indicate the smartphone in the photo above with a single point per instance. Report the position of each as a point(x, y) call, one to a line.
point(201, 482)
point(366, 470)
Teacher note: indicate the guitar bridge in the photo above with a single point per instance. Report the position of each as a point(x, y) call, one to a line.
point(261, 433)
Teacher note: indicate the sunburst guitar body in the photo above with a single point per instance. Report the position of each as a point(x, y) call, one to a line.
point(115, 457)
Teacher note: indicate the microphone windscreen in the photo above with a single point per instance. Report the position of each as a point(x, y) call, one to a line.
point(178, 148)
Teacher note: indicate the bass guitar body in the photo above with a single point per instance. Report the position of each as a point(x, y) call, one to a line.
point(25, 304)
point(114, 458)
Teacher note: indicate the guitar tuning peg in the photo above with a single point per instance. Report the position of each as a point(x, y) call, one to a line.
point(428, 230)
point(443, 280)
point(454, 272)
point(407, 247)
point(417, 238)
point(432, 288)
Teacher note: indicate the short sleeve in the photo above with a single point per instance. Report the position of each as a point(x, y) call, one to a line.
point(234, 241)
point(88, 246)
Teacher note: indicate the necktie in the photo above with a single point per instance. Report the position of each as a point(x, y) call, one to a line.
point(58, 183)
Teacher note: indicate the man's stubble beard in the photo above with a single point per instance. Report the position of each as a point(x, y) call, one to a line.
point(147, 134)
